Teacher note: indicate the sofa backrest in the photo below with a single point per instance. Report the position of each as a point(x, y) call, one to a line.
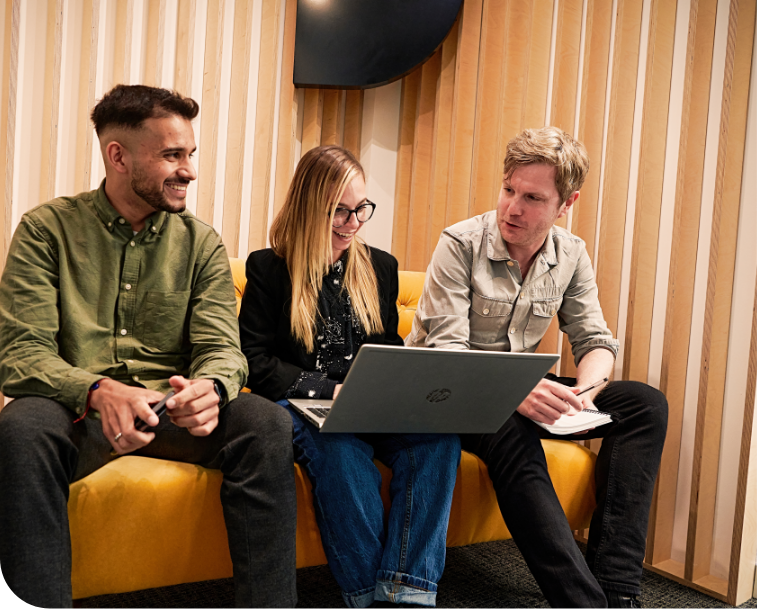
point(410, 289)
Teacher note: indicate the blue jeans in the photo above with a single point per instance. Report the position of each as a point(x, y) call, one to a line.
point(625, 476)
point(401, 561)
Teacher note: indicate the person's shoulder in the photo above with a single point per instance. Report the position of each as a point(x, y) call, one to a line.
point(54, 208)
point(266, 262)
point(194, 224)
point(382, 258)
point(470, 226)
point(566, 242)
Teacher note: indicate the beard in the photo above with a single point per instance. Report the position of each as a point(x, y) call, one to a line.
point(153, 194)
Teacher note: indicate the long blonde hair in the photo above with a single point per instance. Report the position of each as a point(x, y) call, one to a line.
point(301, 234)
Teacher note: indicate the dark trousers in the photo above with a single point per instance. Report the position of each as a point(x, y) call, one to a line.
point(625, 474)
point(42, 451)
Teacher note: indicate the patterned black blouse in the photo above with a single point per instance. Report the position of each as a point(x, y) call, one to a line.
point(338, 337)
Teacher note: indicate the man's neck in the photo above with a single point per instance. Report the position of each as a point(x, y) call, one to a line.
point(135, 212)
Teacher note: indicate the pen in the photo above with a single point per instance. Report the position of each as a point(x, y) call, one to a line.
point(592, 386)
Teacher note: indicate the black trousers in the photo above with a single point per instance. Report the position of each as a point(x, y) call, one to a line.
point(42, 451)
point(625, 474)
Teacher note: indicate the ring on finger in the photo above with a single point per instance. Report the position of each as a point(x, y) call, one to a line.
point(118, 437)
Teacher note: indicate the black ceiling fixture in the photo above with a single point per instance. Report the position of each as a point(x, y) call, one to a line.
point(359, 44)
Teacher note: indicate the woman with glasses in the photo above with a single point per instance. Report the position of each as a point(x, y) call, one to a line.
point(310, 302)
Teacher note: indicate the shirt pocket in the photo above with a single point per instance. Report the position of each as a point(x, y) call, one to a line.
point(542, 312)
point(164, 314)
point(489, 319)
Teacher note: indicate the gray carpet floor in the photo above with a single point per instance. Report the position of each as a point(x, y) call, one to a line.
point(482, 575)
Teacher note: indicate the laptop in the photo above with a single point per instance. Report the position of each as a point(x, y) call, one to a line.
point(417, 390)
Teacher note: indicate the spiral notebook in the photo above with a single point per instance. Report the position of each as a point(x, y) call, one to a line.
point(581, 421)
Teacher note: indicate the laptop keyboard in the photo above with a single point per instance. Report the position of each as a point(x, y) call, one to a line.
point(320, 411)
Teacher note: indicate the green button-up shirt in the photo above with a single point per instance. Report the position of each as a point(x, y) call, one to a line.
point(83, 298)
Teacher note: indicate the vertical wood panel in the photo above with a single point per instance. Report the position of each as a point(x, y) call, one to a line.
point(592, 116)
point(88, 68)
point(743, 547)
point(312, 119)
point(11, 40)
point(122, 42)
point(719, 288)
point(537, 76)
point(353, 120)
point(185, 42)
point(421, 179)
point(486, 172)
point(287, 110)
point(211, 99)
point(678, 315)
point(659, 68)
point(618, 158)
point(264, 121)
point(51, 103)
point(235, 143)
point(156, 30)
point(441, 148)
point(565, 80)
point(464, 112)
point(330, 127)
point(403, 182)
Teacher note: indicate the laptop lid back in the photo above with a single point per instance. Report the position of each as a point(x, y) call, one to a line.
point(416, 390)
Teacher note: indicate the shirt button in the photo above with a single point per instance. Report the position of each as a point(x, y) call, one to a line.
point(510, 263)
point(121, 221)
point(128, 286)
point(486, 311)
point(512, 330)
point(110, 224)
point(123, 332)
point(153, 229)
point(135, 377)
point(551, 311)
point(132, 243)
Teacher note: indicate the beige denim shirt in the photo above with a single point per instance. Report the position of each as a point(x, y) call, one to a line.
point(474, 296)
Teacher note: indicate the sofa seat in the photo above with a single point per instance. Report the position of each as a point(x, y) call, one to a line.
point(143, 523)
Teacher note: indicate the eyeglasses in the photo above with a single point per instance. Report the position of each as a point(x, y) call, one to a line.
point(362, 212)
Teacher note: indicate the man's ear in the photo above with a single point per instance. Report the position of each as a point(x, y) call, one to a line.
point(117, 156)
point(568, 204)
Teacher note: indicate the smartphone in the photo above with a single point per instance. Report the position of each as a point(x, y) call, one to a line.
point(158, 409)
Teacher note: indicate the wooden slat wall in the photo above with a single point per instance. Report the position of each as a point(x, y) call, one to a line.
point(506, 65)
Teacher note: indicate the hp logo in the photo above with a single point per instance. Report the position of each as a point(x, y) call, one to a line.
point(438, 395)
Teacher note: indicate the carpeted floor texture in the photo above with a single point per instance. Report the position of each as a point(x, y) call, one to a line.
point(483, 575)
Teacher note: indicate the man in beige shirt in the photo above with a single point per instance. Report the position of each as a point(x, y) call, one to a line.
point(494, 283)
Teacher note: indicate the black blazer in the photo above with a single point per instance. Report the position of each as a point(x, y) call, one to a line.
point(275, 358)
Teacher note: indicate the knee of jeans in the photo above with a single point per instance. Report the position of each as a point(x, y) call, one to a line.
point(652, 406)
point(269, 420)
point(25, 422)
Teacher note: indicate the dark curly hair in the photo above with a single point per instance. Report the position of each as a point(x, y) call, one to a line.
point(128, 106)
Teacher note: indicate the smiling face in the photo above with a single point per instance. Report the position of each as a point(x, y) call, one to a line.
point(161, 165)
point(342, 237)
point(527, 208)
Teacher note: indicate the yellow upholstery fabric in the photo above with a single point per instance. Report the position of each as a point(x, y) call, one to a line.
point(142, 523)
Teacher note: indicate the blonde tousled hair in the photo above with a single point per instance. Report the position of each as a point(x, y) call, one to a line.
point(550, 146)
point(301, 234)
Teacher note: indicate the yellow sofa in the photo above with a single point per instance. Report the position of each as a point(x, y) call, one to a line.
point(142, 523)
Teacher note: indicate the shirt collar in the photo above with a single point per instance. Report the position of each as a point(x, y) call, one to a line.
point(110, 217)
point(497, 248)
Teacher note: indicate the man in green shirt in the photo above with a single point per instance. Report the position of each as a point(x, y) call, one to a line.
point(108, 300)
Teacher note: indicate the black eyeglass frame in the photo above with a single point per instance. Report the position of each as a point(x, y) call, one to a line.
point(367, 203)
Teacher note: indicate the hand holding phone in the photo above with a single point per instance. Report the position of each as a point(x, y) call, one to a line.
point(158, 409)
